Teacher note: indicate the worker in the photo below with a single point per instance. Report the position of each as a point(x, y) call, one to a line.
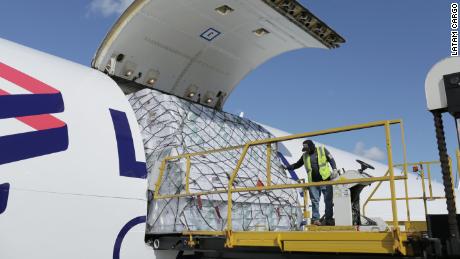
point(315, 160)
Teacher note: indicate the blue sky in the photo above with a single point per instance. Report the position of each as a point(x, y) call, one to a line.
point(378, 74)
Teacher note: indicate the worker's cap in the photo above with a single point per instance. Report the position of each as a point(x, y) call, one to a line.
point(308, 145)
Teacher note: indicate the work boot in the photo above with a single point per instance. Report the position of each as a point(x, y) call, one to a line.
point(329, 222)
point(316, 222)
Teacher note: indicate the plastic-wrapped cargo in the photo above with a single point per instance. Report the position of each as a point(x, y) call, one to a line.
point(172, 126)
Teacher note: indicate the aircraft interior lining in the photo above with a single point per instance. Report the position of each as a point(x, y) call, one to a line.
point(200, 50)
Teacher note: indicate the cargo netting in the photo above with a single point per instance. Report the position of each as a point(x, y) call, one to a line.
point(171, 126)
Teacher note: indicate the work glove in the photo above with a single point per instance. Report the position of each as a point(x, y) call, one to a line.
point(334, 174)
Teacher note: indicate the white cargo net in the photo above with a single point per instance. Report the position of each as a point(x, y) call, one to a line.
point(171, 126)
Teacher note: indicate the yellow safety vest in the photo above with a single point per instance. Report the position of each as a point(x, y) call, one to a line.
point(324, 169)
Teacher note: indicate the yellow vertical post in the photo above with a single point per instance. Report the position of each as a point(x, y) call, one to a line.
point(392, 176)
point(422, 174)
point(397, 245)
point(158, 183)
point(187, 175)
point(306, 213)
point(458, 164)
point(230, 187)
point(452, 175)
point(405, 171)
point(269, 164)
point(430, 187)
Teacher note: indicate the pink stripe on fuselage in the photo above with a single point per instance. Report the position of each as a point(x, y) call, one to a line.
point(25, 81)
point(2, 92)
point(42, 122)
point(38, 122)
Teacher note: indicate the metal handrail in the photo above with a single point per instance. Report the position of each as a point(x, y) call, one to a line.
point(422, 165)
point(231, 189)
point(267, 141)
point(458, 165)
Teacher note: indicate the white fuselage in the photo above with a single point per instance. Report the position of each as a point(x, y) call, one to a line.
point(72, 203)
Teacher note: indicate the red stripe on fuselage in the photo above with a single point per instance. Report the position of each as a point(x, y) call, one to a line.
point(25, 81)
point(2, 92)
point(42, 122)
point(38, 122)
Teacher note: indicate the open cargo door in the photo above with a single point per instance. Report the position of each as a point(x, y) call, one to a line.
point(200, 49)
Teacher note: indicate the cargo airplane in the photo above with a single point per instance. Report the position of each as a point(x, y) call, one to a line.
point(73, 179)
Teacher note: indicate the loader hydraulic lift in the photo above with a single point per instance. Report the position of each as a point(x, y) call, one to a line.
point(435, 237)
point(400, 239)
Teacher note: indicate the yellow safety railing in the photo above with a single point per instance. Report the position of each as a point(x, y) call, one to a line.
point(458, 165)
point(421, 168)
point(230, 189)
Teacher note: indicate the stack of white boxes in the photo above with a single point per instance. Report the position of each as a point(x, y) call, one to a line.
point(172, 126)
